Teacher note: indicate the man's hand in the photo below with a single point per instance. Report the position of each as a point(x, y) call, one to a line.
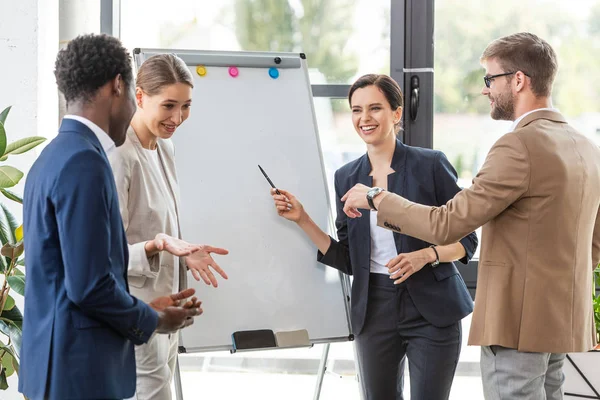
point(171, 319)
point(356, 198)
point(172, 316)
point(174, 300)
point(201, 261)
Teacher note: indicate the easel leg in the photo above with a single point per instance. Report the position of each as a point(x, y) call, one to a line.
point(321, 372)
point(177, 378)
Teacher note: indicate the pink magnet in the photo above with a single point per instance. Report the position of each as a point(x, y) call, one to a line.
point(234, 72)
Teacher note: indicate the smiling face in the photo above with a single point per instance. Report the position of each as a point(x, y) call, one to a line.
point(372, 116)
point(500, 93)
point(165, 111)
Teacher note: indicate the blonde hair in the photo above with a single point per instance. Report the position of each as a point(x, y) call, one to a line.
point(162, 70)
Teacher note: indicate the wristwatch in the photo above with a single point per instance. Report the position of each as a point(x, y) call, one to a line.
point(437, 257)
point(371, 194)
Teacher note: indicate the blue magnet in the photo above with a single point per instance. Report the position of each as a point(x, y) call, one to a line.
point(273, 72)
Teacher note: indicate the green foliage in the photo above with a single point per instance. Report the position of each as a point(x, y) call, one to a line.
point(458, 47)
point(11, 318)
point(320, 30)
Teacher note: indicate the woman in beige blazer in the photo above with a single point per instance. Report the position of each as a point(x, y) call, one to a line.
point(146, 180)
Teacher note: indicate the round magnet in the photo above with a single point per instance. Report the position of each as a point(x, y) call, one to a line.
point(234, 72)
point(201, 70)
point(273, 72)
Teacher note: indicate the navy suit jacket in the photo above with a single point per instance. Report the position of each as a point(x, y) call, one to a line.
point(80, 322)
point(421, 175)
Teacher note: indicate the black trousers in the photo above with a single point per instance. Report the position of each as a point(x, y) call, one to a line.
point(395, 331)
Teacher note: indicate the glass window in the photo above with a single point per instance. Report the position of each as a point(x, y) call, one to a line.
point(341, 51)
point(463, 128)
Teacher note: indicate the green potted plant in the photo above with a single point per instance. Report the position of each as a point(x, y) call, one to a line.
point(12, 261)
point(580, 369)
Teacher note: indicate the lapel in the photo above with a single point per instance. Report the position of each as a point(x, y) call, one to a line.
point(168, 166)
point(397, 180)
point(396, 184)
point(74, 126)
point(166, 163)
point(363, 227)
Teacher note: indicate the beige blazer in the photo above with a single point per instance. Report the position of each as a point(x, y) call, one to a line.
point(143, 206)
point(538, 198)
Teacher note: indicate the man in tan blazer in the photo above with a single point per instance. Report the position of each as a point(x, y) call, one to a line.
point(537, 197)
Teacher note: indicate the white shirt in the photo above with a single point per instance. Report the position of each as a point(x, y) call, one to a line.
point(107, 143)
point(383, 246)
point(514, 125)
point(171, 208)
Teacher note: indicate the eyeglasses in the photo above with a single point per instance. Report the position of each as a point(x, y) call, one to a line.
point(488, 79)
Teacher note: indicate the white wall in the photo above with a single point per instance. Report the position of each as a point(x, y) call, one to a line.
point(31, 32)
point(28, 45)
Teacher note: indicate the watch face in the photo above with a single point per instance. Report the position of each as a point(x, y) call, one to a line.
point(374, 192)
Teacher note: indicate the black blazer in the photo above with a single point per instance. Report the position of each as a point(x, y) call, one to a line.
point(425, 177)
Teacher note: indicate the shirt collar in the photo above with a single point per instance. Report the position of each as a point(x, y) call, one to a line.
point(516, 122)
point(105, 141)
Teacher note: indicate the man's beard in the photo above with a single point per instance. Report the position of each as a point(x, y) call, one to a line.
point(504, 107)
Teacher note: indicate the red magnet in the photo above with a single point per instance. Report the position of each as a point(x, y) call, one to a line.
point(234, 72)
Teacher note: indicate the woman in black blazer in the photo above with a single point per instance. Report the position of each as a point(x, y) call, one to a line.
point(407, 296)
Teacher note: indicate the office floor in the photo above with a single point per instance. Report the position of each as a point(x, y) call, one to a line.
point(253, 386)
point(262, 375)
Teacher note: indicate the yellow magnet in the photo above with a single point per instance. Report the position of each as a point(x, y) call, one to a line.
point(201, 70)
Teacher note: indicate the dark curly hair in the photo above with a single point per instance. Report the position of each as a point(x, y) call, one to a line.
point(88, 63)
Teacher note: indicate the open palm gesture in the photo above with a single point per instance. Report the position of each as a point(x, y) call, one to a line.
point(200, 262)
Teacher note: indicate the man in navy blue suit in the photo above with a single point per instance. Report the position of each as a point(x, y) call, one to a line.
point(80, 322)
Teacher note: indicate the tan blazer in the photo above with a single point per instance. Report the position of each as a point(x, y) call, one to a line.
point(538, 198)
point(144, 211)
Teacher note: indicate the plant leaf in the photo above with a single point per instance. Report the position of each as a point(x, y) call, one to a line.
point(7, 362)
point(19, 233)
point(17, 271)
point(10, 303)
point(3, 381)
point(4, 114)
point(2, 138)
point(12, 251)
point(4, 233)
point(9, 176)
point(12, 196)
point(22, 146)
point(12, 222)
point(15, 364)
point(17, 283)
point(7, 250)
point(12, 327)
point(21, 262)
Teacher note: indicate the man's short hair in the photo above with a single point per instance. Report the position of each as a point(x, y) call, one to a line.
point(529, 54)
point(88, 63)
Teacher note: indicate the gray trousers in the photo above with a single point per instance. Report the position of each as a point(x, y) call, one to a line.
point(508, 374)
point(395, 331)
